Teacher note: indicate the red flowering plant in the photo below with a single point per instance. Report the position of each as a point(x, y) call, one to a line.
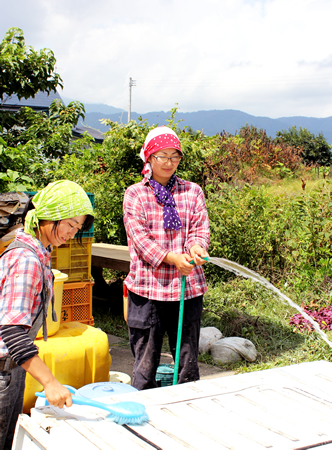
point(322, 316)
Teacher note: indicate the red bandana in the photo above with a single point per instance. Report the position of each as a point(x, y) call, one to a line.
point(158, 139)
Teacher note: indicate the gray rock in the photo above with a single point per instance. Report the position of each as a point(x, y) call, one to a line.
point(233, 349)
point(207, 337)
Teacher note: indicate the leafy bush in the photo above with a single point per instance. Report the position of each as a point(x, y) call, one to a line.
point(247, 226)
point(249, 155)
point(315, 149)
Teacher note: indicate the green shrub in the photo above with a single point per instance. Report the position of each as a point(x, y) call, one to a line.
point(275, 235)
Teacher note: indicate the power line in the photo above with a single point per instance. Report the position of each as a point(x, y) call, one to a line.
point(264, 81)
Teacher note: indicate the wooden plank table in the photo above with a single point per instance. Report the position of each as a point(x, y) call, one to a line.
point(283, 408)
point(110, 256)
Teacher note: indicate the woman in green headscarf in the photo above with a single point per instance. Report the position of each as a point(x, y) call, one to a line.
point(54, 215)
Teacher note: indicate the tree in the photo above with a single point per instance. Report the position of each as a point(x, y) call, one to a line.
point(50, 134)
point(316, 150)
point(36, 139)
point(23, 70)
point(29, 138)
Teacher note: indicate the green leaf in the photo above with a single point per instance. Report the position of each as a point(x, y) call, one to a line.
point(26, 178)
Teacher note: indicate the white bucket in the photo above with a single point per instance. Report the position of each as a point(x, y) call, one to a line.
point(119, 377)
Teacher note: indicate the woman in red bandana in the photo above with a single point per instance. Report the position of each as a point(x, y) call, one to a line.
point(167, 226)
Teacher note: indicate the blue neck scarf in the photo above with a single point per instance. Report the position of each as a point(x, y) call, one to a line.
point(164, 196)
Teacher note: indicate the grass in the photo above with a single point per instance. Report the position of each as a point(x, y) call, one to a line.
point(245, 309)
point(293, 186)
point(114, 325)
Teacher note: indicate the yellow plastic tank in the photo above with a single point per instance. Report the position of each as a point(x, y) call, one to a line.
point(53, 327)
point(77, 355)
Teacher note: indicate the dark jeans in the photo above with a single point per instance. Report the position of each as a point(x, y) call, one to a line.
point(148, 321)
point(12, 385)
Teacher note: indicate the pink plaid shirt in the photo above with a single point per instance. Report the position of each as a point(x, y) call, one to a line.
point(149, 242)
point(21, 283)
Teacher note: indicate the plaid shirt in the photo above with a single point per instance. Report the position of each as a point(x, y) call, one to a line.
point(21, 283)
point(149, 242)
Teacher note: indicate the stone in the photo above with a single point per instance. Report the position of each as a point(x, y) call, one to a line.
point(207, 337)
point(233, 349)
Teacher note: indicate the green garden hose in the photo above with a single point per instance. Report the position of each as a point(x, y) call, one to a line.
point(180, 323)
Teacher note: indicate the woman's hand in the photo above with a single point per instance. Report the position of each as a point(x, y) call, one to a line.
point(180, 261)
point(198, 253)
point(57, 394)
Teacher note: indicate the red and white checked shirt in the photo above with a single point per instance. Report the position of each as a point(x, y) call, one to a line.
point(149, 242)
point(21, 283)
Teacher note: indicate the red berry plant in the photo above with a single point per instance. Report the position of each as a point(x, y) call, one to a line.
point(322, 316)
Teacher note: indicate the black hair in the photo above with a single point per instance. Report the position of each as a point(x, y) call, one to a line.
point(85, 227)
point(28, 207)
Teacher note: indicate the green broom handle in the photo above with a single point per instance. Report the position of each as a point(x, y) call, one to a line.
point(180, 323)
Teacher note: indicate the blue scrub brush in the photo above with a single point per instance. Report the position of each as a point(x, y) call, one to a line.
point(123, 413)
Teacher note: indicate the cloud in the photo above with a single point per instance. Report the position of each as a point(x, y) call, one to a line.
point(325, 63)
point(264, 57)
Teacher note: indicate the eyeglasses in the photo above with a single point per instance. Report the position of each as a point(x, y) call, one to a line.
point(164, 159)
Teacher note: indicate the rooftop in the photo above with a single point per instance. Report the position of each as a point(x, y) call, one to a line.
point(40, 102)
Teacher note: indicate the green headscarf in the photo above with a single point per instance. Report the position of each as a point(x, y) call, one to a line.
point(59, 200)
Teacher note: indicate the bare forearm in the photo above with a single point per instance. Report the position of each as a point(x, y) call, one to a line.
point(56, 394)
point(39, 371)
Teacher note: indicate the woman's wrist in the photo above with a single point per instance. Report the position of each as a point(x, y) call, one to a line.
point(170, 258)
point(194, 249)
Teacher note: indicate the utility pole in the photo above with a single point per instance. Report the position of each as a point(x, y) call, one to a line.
point(131, 83)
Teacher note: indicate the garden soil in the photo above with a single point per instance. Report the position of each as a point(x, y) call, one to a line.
point(123, 360)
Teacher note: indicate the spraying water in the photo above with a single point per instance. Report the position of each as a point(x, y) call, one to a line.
point(247, 273)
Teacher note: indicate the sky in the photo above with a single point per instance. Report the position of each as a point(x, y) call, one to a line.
point(264, 57)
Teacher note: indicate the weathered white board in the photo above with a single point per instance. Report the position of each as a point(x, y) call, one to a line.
point(112, 251)
point(284, 408)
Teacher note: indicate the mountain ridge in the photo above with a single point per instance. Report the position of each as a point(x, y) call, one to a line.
point(211, 122)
